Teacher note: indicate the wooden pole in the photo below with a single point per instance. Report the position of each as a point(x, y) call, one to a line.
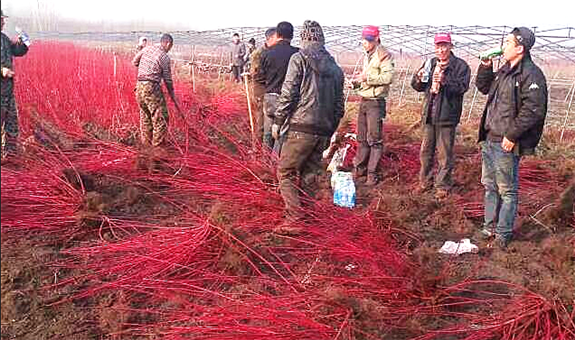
point(249, 105)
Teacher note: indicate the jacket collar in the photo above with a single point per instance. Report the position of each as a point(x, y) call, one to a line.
point(521, 65)
point(451, 60)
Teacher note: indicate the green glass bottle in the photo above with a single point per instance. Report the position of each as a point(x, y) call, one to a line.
point(491, 53)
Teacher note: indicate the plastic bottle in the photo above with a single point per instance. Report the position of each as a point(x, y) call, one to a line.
point(344, 189)
point(23, 36)
point(491, 53)
point(426, 71)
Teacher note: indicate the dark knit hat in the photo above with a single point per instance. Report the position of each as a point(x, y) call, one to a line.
point(311, 31)
point(524, 36)
point(2, 14)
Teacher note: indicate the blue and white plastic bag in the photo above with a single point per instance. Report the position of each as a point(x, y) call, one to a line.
point(343, 189)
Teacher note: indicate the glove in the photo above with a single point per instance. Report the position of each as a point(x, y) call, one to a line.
point(276, 131)
point(7, 73)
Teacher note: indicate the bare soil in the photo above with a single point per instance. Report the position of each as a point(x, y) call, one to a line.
point(541, 258)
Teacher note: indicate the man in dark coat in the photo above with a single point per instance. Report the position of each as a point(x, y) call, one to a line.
point(511, 127)
point(309, 110)
point(444, 79)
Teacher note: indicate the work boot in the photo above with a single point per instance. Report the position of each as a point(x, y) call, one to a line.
point(359, 172)
point(423, 188)
point(372, 179)
point(485, 234)
point(441, 194)
point(289, 228)
point(501, 242)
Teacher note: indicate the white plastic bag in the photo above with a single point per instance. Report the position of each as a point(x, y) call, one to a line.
point(343, 189)
point(337, 159)
point(464, 246)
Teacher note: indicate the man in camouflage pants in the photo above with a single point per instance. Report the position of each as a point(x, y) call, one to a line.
point(9, 111)
point(153, 65)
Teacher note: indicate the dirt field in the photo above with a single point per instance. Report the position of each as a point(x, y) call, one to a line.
point(71, 282)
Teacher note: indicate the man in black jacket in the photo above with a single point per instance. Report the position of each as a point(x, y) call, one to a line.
point(273, 68)
point(511, 126)
point(444, 79)
point(309, 110)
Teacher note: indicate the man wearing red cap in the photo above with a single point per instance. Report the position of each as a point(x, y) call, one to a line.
point(444, 79)
point(373, 87)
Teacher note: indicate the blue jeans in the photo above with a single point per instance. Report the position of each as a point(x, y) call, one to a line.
point(500, 177)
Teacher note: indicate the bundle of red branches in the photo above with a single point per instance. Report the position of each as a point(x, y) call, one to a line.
point(200, 258)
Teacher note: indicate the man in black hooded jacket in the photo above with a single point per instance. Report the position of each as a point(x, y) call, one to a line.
point(309, 109)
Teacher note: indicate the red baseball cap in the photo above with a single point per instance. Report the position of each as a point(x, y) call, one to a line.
point(442, 38)
point(370, 33)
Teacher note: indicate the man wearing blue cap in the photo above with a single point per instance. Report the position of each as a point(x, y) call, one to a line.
point(511, 127)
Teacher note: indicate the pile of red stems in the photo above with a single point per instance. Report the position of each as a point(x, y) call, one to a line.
point(204, 261)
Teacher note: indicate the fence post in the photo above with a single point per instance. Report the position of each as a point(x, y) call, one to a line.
point(472, 104)
point(403, 85)
point(193, 69)
point(567, 113)
point(115, 64)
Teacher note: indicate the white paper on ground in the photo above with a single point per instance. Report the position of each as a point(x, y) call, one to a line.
point(464, 246)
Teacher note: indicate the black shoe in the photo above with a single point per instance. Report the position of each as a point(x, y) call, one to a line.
point(441, 194)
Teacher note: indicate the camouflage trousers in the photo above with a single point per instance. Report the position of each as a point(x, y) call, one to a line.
point(9, 124)
point(153, 113)
point(257, 101)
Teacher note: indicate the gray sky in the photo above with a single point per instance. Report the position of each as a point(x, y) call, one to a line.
point(210, 14)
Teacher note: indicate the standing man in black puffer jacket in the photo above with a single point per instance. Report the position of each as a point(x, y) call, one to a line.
point(511, 127)
point(309, 110)
point(444, 79)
